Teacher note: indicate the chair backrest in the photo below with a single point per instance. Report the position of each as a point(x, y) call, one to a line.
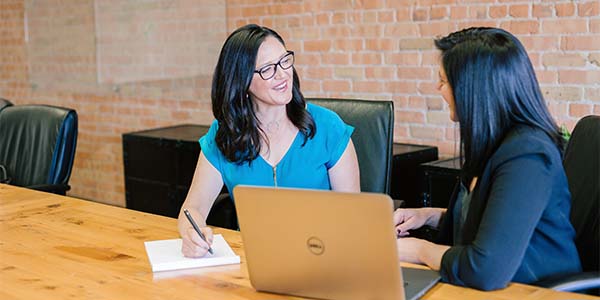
point(4, 103)
point(37, 143)
point(373, 123)
point(582, 167)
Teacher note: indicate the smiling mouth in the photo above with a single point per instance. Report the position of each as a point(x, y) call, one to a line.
point(281, 87)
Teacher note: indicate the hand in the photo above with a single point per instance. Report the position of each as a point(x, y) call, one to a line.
point(413, 218)
point(193, 245)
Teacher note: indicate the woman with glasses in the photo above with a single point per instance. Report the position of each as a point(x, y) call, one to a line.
point(509, 217)
point(265, 133)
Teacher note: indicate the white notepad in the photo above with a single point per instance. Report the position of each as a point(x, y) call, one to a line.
point(166, 255)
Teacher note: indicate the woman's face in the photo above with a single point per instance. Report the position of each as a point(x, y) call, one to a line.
point(446, 91)
point(275, 91)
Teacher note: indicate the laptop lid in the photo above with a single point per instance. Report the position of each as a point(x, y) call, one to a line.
point(320, 244)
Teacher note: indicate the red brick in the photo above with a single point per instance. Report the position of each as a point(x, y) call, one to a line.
point(414, 73)
point(562, 26)
point(563, 60)
point(417, 102)
point(381, 44)
point(401, 87)
point(562, 93)
point(420, 14)
point(499, 11)
point(565, 9)
point(589, 42)
point(367, 86)
point(595, 26)
point(410, 116)
point(579, 76)
point(521, 27)
point(589, 9)
point(438, 13)
point(416, 43)
point(542, 11)
point(336, 85)
point(319, 45)
point(385, 17)
point(383, 73)
point(426, 132)
point(594, 58)
point(477, 12)
point(402, 58)
point(401, 29)
point(366, 58)
point(348, 44)
point(335, 58)
point(579, 110)
point(519, 10)
point(592, 94)
point(436, 28)
point(458, 12)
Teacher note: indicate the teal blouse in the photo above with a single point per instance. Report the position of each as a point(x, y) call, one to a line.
point(303, 166)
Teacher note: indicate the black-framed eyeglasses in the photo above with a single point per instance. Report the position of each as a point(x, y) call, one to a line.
point(267, 72)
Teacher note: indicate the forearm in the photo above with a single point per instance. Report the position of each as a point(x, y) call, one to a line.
point(431, 254)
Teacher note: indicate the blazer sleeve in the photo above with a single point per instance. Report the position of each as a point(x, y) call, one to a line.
point(519, 192)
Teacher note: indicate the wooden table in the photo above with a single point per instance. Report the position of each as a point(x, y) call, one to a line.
point(55, 247)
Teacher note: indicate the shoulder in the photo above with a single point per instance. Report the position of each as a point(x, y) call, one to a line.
point(323, 115)
point(207, 142)
point(524, 141)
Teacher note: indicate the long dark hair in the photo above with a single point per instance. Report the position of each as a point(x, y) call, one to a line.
point(238, 136)
point(495, 88)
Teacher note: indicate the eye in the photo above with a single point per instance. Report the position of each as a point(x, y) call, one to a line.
point(267, 70)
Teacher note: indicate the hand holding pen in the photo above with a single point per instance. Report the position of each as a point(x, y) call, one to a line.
point(197, 230)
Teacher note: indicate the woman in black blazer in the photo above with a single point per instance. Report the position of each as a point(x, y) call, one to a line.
point(508, 219)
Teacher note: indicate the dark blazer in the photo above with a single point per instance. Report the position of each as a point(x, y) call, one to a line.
point(517, 227)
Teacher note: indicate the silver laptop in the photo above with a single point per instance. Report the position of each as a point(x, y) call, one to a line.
point(324, 244)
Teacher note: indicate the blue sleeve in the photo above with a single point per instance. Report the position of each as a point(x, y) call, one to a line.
point(337, 139)
point(518, 196)
point(209, 148)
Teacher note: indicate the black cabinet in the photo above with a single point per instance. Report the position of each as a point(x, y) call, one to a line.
point(159, 166)
point(438, 181)
point(405, 170)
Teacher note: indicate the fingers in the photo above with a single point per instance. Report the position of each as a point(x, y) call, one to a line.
point(193, 245)
point(208, 234)
point(399, 215)
point(402, 229)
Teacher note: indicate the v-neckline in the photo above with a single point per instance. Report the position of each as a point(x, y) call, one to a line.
point(292, 144)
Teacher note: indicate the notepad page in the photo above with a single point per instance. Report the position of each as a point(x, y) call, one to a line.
point(165, 255)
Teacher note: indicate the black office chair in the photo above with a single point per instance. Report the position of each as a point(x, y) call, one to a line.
point(4, 103)
point(582, 167)
point(373, 123)
point(37, 146)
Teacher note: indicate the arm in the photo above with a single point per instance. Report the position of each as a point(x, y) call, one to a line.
point(206, 185)
point(517, 198)
point(345, 175)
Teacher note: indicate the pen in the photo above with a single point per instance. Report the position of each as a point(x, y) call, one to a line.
point(189, 217)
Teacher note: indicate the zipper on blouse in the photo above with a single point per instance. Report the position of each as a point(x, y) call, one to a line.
point(275, 175)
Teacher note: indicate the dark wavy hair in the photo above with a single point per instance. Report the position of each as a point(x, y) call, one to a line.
point(495, 89)
point(239, 133)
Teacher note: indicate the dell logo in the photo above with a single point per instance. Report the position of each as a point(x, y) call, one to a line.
point(315, 245)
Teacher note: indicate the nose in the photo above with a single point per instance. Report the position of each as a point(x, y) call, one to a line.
point(280, 72)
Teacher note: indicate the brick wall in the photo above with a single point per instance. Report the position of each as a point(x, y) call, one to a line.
point(370, 49)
